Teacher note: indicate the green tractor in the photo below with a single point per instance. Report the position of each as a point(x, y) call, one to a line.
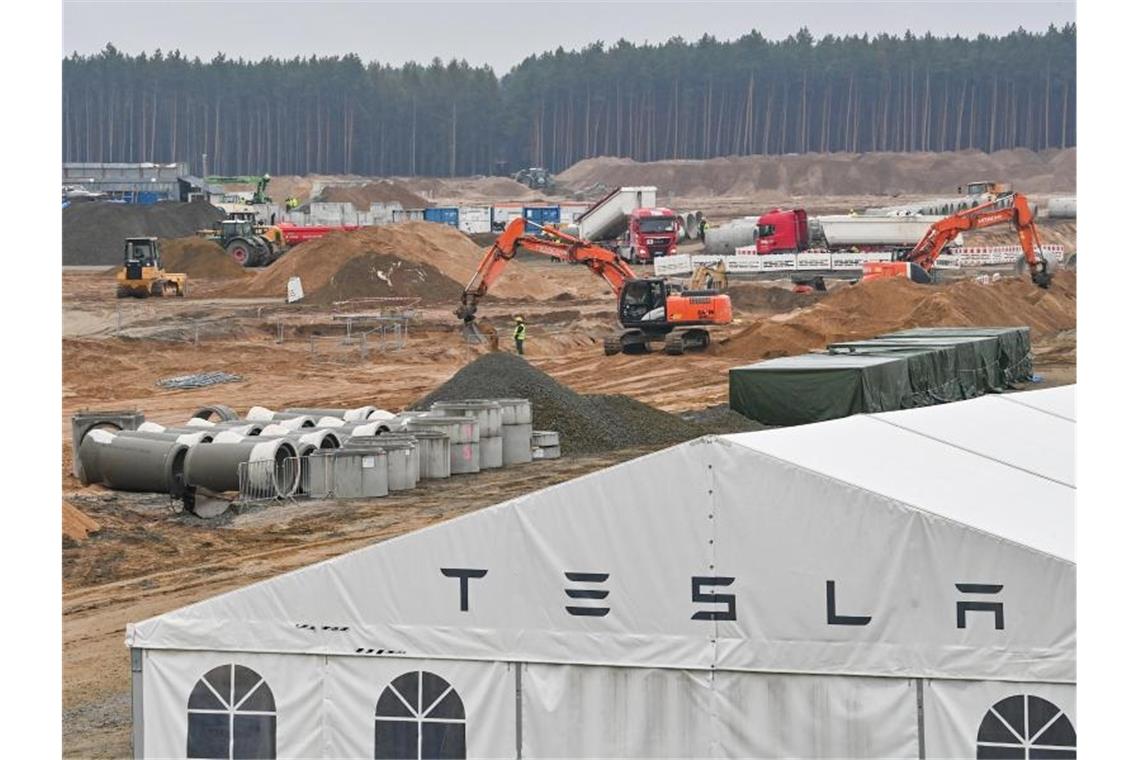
point(244, 242)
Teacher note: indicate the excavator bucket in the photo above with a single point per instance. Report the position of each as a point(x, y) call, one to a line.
point(882, 270)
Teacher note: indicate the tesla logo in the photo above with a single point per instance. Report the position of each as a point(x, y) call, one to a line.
point(589, 597)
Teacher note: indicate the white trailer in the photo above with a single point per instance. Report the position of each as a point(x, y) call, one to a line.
point(870, 231)
point(608, 218)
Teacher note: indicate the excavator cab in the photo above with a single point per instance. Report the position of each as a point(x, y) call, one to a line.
point(642, 302)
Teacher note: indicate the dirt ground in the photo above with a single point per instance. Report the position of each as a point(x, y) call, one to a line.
point(146, 558)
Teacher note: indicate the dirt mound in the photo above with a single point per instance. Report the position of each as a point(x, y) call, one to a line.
point(200, 259)
point(383, 275)
point(868, 309)
point(470, 188)
point(77, 524)
point(769, 298)
point(586, 424)
point(93, 232)
point(834, 173)
point(363, 196)
point(443, 248)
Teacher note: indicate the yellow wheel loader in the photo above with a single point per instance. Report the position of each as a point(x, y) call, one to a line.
point(142, 274)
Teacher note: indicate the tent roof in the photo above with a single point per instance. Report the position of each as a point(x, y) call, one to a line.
point(953, 460)
point(904, 516)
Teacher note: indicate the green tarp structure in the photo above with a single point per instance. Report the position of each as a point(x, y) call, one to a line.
point(901, 370)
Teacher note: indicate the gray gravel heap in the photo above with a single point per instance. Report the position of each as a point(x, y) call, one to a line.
point(586, 423)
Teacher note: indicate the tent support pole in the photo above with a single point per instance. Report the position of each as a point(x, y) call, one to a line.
point(921, 719)
point(518, 711)
point(137, 703)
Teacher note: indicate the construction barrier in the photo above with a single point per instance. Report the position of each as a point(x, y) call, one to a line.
point(746, 261)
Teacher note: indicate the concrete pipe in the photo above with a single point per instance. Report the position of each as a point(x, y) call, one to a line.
point(241, 428)
point(190, 439)
point(545, 444)
point(723, 241)
point(221, 412)
point(215, 467)
point(134, 464)
point(114, 420)
point(380, 415)
point(433, 449)
point(259, 414)
point(338, 413)
point(321, 439)
point(151, 427)
point(274, 430)
point(329, 422)
point(515, 411)
point(516, 443)
point(364, 429)
point(463, 439)
point(199, 422)
point(307, 445)
point(487, 412)
point(350, 473)
point(388, 439)
point(491, 452)
point(1062, 208)
point(401, 459)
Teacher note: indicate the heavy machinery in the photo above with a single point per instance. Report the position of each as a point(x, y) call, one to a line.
point(707, 277)
point(536, 178)
point(919, 261)
point(629, 222)
point(649, 309)
point(248, 244)
point(142, 274)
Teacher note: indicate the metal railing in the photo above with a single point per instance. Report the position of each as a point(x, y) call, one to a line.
point(271, 479)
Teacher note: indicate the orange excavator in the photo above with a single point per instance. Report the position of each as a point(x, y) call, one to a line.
point(917, 263)
point(649, 309)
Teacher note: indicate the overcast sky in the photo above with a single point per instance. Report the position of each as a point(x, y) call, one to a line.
point(503, 33)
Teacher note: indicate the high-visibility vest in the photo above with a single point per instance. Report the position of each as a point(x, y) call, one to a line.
point(520, 331)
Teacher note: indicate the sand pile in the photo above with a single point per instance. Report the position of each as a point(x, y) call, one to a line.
point(200, 259)
point(586, 424)
point(470, 188)
point(363, 196)
point(868, 309)
point(451, 257)
point(382, 275)
point(77, 525)
point(93, 232)
point(834, 173)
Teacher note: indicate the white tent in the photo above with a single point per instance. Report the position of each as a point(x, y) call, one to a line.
point(889, 585)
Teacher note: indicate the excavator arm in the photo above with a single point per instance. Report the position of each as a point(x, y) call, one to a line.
point(1018, 212)
point(601, 261)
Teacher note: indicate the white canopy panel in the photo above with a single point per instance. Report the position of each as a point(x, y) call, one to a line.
point(896, 547)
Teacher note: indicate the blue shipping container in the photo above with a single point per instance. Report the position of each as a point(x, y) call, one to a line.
point(541, 215)
point(449, 215)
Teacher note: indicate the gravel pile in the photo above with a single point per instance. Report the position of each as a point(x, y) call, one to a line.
point(93, 232)
point(586, 424)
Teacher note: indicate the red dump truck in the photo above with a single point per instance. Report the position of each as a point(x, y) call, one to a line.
point(793, 231)
point(629, 222)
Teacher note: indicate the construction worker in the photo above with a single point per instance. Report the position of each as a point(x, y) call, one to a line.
point(520, 334)
point(704, 226)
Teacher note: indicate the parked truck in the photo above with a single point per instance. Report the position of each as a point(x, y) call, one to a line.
point(629, 222)
point(793, 231)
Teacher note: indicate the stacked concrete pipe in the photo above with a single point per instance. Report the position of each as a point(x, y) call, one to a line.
point(545, 444)
point(360, 414)
point(155, 465)
point(490, 417)
point(463, 439)
point(216, 413)
point(517, 427)
point(349, 473)
point(215, 467)
point(401, 458)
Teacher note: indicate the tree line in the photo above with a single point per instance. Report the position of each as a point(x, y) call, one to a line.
point(647, 102)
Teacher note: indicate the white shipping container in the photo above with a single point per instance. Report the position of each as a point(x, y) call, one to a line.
point(474, 219)
point(501, 216)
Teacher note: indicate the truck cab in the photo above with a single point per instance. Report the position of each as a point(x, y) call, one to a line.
point(782, 231)
point(652, 232)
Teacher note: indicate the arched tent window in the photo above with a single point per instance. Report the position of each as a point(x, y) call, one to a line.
point(420, 716)
point(231, 714)
point(1027, 728)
